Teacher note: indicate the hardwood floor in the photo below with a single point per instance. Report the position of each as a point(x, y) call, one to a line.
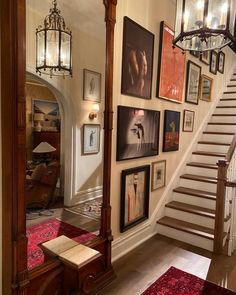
point(142, 266)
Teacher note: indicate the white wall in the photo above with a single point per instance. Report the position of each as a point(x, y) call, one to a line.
point(0, 179)
point(149, 14)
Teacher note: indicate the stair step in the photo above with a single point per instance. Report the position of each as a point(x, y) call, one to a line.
point(219, 133)
point(229, 92)
point(224, 115)
point(210, 154)
point(225, 107)
point(220, 123)
point(188, 227)
point(201, 178)
point(232, 85)
point(213, 143)
point(203, 165)
point(195, 192)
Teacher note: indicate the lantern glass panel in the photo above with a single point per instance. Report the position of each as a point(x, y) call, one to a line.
point(65, 50)
point(178, 18)
point(217, 14)
point(232, 17)
point(52, 51)
point(40, 48)
point(193, 15)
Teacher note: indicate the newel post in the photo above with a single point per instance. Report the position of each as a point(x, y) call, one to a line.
point(220, 206)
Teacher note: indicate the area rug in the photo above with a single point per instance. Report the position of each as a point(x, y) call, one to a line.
point(90, 209)
point(48, 230)
point(178, 282)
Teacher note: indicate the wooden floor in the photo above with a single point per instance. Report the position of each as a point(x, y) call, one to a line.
point(142, 266)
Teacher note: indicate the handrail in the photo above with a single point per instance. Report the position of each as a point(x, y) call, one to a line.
point(231, 149)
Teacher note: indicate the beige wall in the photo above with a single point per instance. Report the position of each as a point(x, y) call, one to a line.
point(0, 181)
point(149, 14)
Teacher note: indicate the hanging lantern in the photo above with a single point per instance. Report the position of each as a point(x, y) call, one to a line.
point(54, 45)
point(203, 25)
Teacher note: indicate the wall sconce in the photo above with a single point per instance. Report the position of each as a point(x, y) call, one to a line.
point(95, 110)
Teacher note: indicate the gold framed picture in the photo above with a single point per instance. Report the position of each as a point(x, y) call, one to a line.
point(158, 174)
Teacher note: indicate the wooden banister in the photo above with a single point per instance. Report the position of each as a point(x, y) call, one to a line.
point(232, 147)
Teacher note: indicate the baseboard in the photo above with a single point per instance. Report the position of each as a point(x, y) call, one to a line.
point(87, 195)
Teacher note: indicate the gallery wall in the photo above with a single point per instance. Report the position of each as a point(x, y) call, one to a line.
point(149, 14)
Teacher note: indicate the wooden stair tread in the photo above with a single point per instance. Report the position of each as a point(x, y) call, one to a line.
point(231, 85)
point(226, 107)
point(203, 165)
point(188, 227)
point(211, 154)
point(218, 133)
point(220, 123)
point(199, 178)
point(224, 115)
point(213, 143)
point(195, 192)
point(229, 92)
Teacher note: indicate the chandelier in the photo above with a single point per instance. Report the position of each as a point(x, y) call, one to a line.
point(203, 25)
point(53, 45)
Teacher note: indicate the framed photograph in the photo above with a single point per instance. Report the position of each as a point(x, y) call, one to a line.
point(192, 82)
point(195, 53)
point(206, 88)
point(92, 86)
point(137, 61)
point(188, 121)
point(137, 133)
point(91, 139)
point(134, 196)
point(221, 62)
point(205, 57)
point(158, 174)
point(213, 62)
point(171, 131)
point(171, 67)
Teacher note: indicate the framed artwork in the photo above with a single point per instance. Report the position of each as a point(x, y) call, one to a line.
point(91, 139)
point(192, 82)
point(92, 86)
point(205, 57)
point(206, 88)
point(171, 67)
point(137, 133)
point(45, 115)
point(137, 61)
point(188, 121)
point(195, 53)
point(221, 62)
point(213, 62)
point(158, 174)
point(171, 131)
point(134, 196)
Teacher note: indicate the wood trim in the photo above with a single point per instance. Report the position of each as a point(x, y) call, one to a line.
point(232, 147)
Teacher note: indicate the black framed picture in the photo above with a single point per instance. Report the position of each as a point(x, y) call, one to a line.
point(213, 62)
point(137, 61)
point(192, 82)
point(188, 121)
point(206, 88)
point(134, 196)
point(137, 133)
point(221, 62)
point(205, 57)
point(171, 131)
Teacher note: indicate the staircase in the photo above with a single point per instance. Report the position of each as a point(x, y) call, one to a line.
point(190, 216)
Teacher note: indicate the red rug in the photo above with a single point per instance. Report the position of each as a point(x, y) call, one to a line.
point(48, 230)
point(178, 282)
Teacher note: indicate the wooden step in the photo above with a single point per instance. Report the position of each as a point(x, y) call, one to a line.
point(213, 143)
point(191, 209)
point(210, 154)
point(232, 85)
point(203, 165)
point(201, 178)
point(227, 99)
point(226, 107)
point(218, 133)
point(223, 124)
point(223, 115)
point(229, 92)
point(232, 79)
point(188, 227)
point(195, 192)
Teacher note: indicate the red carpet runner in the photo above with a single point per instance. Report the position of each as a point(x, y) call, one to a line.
point(49, 230)
point(178, 282)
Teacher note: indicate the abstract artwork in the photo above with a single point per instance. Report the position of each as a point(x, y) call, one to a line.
point(171, 131)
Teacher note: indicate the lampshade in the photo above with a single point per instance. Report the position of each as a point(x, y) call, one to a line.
point(203, 25)
point(44, 147)
point(38, 117)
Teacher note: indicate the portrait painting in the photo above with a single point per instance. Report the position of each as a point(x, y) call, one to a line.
point(171, 67)
point(171, 131)
point(134, 196)
point(137, 133)
point(206, 88)
point(91, 139)
point(137, 61)
point(92, 86)
point(221, 62)
point(213, 62)
point(192, 82)
point(158, 174)
point(188, 121)
point(205, 57)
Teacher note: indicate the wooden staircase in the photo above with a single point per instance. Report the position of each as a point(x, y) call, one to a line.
point(190, 216)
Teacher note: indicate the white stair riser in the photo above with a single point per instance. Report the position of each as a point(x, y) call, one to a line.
point(221, 128)
point(205, 159)
point(223, 119)
point(201, 171)
point(190, 217)
point(204, 186)
point(217, 138)
point(193, 200)
point(213, 148)
point(225, 111)
point(227, 102)
point(185, 237)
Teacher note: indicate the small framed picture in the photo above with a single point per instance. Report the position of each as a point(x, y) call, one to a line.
point(193, 82)
point(171, 131)
point(213, 62)
point(91, 139)
point(205, 57)
point(221, 62)
point(188, 121)
point(195, 53)
point(158, 174)
point(206, 88)
point(92, 86)
point(134, 196)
